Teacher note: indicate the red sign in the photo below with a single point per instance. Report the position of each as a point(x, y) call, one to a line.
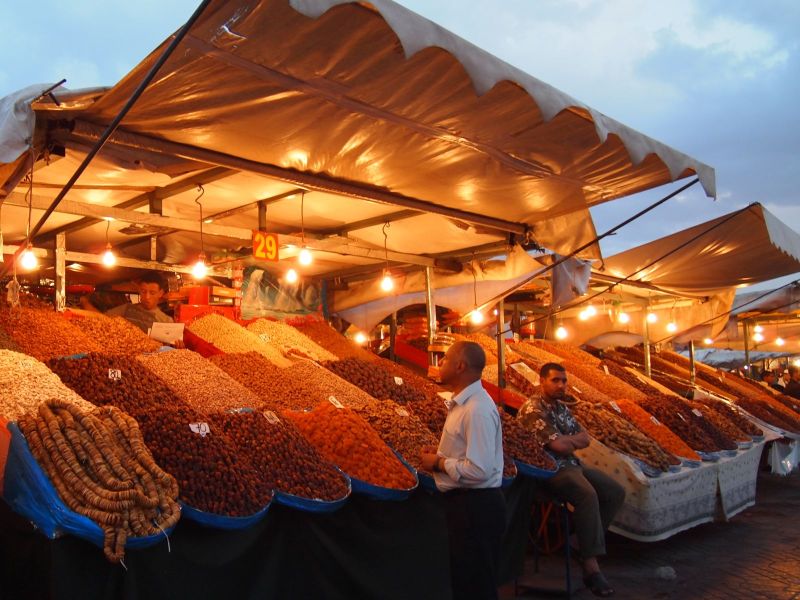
point(265, 245)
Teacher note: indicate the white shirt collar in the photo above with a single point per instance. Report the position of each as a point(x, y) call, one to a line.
point(468, 391)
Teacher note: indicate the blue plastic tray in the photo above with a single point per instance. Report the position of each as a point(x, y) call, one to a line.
point(709, 456)
point(382, 493)
point(29, 492)
point(649, 471)
point(314, 505)
point(535, 472)
point(222, 521)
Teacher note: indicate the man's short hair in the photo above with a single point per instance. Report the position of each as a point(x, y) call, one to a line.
point(547, 367)
point(765, 374)
point(155, 277)
point(473, 355)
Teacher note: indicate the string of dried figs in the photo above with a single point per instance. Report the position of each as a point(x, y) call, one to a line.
point(618, 434)
point(45, 333)
point(333, 341)
point(114, 380)
point(345, 439)
point(229, 336)
point(24, 382)
point(100, 467)
point(289, 340)
point(399, 428)
point(660, 433)
point(284, 459)
point(521, 445)
point(198, 382)
point(211, 475)
point(373, 379)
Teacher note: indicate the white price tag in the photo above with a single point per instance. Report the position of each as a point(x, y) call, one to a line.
point(398, 380)
point(615, 406)
point(202, 428)
point(335, 402)
point(401, 411)
point(654, 420)
point(115, 374)
point(605, 368)
point(577, 391)
point(681, 416)
point(697, 412)
point(271, 417)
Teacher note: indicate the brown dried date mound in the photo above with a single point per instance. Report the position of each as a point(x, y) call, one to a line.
point(374, 380)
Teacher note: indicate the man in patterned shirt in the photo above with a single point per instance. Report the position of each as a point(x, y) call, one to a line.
point(595, 497)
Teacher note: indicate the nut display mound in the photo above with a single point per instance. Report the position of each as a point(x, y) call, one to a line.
point(115, 380)
point(658, 432)
point(333, 341)
point(44, 333)
point(289, 340)
point(198, 382)
point(345, 439)
point(371, 377)
point(25, 382)
point(299, 387)
point(520, 444)
point(115, 335)
point(100, 467)
point(400, 429)
point(284, 459)
point(229, 336)
point(620, 435)
point(212, 476)
point(671, 414)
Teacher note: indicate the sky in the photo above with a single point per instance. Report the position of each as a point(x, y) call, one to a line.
point(718, 80)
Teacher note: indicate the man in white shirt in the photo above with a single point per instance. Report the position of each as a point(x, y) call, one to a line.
point(468, 469)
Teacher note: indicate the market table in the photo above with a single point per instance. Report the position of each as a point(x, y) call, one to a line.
point(367, 549)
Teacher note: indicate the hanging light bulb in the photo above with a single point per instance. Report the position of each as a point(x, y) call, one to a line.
point(652, 317)
point(387, 283)
point(561, 333)
point(28, 260)
point(360, 338)
point(779, 341)
point(672, 327)
point(623, 318)
point(291, 276)
point(708, 341)
point(108, 258)
point(584, 314)
point(758, 336)
point(590, 311)
point(199, 270)
point(305, 258)
point(476, 317)
point(758, 329)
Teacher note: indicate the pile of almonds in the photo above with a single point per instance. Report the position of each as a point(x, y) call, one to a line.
point(229, 336)
point(212, 476)
point(345, 439)
point(282, 456)
point(289, 340)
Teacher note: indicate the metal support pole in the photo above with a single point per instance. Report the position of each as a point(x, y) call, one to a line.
point(392, 336)
point(692, 365)
point(501, 347)
point(433, 360)
point(262, 215)
point(746, 335)
point(153, 247)
point(61, 272)
point(646, 328)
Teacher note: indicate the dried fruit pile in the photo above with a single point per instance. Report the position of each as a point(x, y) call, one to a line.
point(419, 382)
point(100, 467)
point(289, 340)
point(45, 333)
point(229, 336)
point(568, 352)
point(198, 382)
point(211, 475)
point(373, 379)
point(302, 386)
point(733, 415)
point(116, 335)
point(282, 456)
point(115, 380)
point(768, 414)
point(7, 342)
point(399, 428)
point(25, 382)
point(719, 421)
point(620, 435)
point(333, 341)
point(431, 411)
point(656, 430)
point(347, 440)
point(681, 422)
point(522, 445)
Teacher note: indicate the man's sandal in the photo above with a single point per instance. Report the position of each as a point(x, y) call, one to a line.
point(598, 585)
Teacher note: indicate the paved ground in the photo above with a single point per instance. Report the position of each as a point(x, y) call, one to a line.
point(755, 556)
